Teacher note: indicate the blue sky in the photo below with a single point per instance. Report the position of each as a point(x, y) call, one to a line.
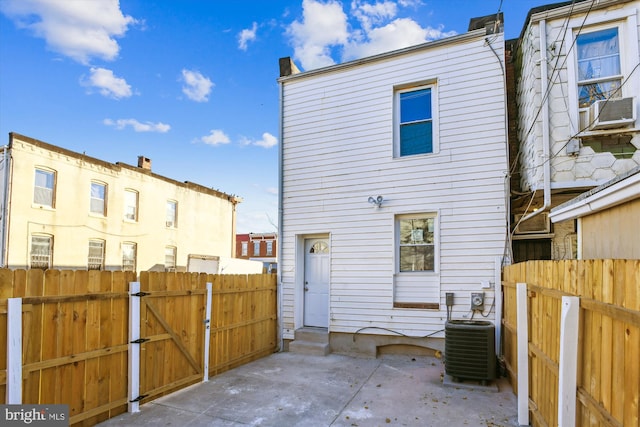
point(191, 84)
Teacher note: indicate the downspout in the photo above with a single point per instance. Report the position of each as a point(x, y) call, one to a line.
point(280, 213)
point(544, 85)
point(4, 221)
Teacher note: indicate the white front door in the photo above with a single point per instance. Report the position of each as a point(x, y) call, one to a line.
point(316, 282)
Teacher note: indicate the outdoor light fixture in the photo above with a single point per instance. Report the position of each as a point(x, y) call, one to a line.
point(376, 201)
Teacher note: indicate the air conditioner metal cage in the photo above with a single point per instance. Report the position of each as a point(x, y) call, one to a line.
point(470, 350)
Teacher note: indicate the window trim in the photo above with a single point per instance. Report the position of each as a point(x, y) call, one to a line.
point(103, 242)
point(134, 245)
point(54, 173)
point(626, 22)
point(412, 87)
point(174, 223)
point(104, 201)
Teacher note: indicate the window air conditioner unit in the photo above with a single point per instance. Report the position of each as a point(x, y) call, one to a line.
point(539, 224)
point(612, 113)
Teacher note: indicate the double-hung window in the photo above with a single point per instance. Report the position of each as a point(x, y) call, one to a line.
point(245, 249)
point(269, 248)
point(41, 251)
point(170, 258)
point(416, 236)
point(130, 205)
point(95, 259)
point(256, 248)
point(44, 188)
point(129, 251)
point(599, 68)
point(415, 130)
point(98, 198)
point(172, 214)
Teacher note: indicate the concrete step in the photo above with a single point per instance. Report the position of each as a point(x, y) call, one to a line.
point(310, 341)
point(309, 348)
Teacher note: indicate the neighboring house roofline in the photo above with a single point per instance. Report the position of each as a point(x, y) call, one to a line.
point(461, 38)
point(615, 192)
point(116, 167)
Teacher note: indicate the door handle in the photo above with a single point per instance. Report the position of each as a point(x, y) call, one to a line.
point(306, 288)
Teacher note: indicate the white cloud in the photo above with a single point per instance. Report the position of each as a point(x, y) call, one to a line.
point(80, 30)
point(107, 83)
point(324, 25)
point(247, 36)
point(196, 86)
point(325, 33)
point(215, 137)
point(138, 126)
point(267, 141)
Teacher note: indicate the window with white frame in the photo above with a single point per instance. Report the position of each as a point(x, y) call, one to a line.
point(44, 187)
point(131, 205)
point(172, 214)
point(170, 258)
point(245, 249)
point(256, 248)
point(41, 254)
point(599, 67)
point(129, 252)
point(269, 248)
point(98, 203)
point(416, 243)
point(95, 259)
point(415, 121)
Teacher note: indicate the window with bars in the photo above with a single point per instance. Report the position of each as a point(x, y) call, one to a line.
point(95, 259)
point(98, 198)
point(129, 256)
point(131, 205)
point(41, 254)
point(170, 258)
point(44, 187)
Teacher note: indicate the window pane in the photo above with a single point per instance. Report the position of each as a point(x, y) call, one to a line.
point(592, 92)
point(256, 248)
point(598, 59)
point(98, 198)
point(416, 138)
point(415, 105)
point(129, 256)
point(130, 205)
point(417, 258)
point(416, 231)
point(43, 188)
point(96, 255)
point(41, 251)
point(171, 213)
point(245, 248)
point(269, 248)
point(169, 257)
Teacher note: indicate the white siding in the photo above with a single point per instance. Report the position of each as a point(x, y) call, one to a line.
point(337, 140)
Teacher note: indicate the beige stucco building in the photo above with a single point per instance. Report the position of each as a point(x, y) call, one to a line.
point(64, 209)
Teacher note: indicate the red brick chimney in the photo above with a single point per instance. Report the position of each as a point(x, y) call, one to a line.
point(144, 163)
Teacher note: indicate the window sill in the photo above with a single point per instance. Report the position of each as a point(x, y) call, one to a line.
point(43, 207)
point(605, 132)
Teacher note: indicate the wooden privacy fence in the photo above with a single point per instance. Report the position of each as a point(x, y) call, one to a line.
point(71, 342)
point(578, 320)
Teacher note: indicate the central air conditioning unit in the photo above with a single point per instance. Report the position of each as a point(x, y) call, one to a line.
point(469, 350)
point(538, 224)
point(612, 113)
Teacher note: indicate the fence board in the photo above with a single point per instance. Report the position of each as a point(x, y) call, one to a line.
point(609, 337)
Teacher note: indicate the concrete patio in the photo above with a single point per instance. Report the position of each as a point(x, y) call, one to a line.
point(286, 389)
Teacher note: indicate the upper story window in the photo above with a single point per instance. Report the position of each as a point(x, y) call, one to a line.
point(41, 254)
point(131, 205)
point(245, 248)
point(129, 251)
point(172, 214)
point(98, 198)
point(599, 68)
point(44, 187)
point(415, 130)
point(269, 248)
point(417, 243)
point(256, 248)
point(95, 259)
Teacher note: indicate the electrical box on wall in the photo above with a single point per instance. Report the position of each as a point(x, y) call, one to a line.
point(477, 301)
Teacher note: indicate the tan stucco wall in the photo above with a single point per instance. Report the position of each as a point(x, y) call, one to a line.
point(205, 218)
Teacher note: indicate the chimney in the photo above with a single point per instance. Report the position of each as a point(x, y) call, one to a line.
point(287, 67)
point(144, 163)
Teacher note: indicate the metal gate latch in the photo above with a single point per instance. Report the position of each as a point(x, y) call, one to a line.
point(140, 340)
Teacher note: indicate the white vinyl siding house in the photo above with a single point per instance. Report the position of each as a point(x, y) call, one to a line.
point(342, 145)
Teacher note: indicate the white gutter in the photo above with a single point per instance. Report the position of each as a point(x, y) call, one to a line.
point(544, 109)
point(623, 191)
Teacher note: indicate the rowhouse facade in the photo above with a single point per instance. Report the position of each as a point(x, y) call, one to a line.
point(64, 209)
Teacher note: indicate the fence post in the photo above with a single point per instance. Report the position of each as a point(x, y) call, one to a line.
point(523, 354)
point(497, 298)
point(134, 349)
point(207, 333)
point(14, 351)
point(568, 363)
